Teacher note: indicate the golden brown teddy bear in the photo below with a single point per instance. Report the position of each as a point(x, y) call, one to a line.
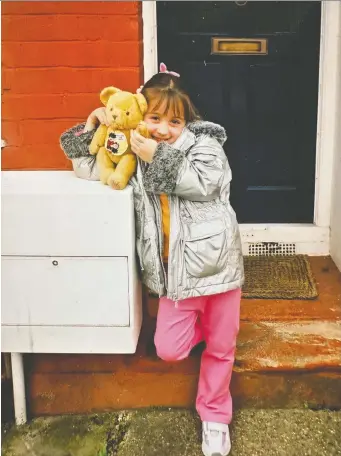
point(116, 162)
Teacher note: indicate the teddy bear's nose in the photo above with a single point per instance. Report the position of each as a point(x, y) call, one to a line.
point(114, 116)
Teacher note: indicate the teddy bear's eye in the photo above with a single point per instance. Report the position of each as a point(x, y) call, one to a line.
point(111, 109)
point(127, 113)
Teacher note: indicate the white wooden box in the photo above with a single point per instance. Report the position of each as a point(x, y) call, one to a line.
point(69, 278)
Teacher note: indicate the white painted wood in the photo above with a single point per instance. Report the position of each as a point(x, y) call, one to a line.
point(19, 388)
point(335, 226)
point(335, 241)
point(55, 213)
point(309, 239)
point(330, 75)
point(295, 232)
point(149, 39)
point(89, 229)
point(55, 291)
point(69, 339)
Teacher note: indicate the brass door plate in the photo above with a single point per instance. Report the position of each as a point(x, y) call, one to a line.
point(239, 46)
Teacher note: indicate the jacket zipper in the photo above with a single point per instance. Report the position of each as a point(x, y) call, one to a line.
point(175, 293)
point(160, 238)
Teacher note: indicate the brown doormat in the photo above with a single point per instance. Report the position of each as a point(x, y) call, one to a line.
point(279, 277)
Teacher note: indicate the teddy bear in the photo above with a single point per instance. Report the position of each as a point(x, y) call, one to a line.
point(111, 145)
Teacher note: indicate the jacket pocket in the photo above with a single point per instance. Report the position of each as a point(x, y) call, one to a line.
point(205, 248)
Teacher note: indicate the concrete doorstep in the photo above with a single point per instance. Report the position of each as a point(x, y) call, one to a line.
point(176, 432)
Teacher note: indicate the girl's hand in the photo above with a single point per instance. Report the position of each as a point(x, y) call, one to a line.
point(143, 147)
point(97, 116)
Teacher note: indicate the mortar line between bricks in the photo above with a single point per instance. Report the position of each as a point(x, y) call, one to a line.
point(52, 119)
point(14, 95)
point(99, 40)
point(38, 94)
point(133, 15)
point(71, 67)
point(60, 67)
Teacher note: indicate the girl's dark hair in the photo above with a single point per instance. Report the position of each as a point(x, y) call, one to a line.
point(165, 87)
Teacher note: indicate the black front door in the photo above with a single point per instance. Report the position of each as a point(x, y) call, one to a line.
point(253, 68)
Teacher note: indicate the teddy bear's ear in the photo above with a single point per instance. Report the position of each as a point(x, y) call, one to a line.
point(106, 94)
point(142, 102)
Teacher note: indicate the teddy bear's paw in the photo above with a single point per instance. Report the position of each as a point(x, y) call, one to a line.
point(117, 182)
point(116, 185)
point(142, 129)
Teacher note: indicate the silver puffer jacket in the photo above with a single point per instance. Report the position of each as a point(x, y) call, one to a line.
point(205, 254)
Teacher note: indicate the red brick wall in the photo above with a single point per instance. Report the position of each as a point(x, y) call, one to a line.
point(56, 58)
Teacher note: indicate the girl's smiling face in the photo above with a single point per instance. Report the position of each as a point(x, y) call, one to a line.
point(163, 124)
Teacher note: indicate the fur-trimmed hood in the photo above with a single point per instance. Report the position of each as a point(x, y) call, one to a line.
point(201, 127)
point(195, 131)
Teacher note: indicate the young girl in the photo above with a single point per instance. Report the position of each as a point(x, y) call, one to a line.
point(188, 241)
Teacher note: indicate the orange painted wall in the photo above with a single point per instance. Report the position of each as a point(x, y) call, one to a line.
point(56, 58)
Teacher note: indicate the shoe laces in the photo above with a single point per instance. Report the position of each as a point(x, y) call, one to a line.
point(215, 437)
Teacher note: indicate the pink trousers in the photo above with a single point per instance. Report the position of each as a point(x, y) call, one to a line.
point(214, 319)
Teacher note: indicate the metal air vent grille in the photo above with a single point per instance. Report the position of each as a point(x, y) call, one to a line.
point(271, 248)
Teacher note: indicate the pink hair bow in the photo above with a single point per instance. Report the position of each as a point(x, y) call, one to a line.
point(163, 69)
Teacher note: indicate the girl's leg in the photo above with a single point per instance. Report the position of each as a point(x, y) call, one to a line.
point(220, 323)
point(177, 328)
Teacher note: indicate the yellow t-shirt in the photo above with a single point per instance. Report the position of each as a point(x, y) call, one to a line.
point(165, 225)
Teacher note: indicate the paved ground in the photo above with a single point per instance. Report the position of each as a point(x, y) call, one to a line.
point(174, 432)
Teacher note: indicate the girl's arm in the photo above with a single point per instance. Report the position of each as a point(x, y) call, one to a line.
point(75, 141)
point(197, 176)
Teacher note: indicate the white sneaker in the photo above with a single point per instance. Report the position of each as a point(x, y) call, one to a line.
point(215, 439)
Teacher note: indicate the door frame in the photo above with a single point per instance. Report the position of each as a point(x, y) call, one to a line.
point(314, 238)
